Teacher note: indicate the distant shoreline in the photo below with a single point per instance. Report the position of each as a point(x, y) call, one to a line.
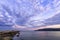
point(49, 29)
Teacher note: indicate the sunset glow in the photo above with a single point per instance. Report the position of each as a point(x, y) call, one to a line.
point(30, 14)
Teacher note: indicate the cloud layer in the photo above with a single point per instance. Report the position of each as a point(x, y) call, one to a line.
point(28, 13)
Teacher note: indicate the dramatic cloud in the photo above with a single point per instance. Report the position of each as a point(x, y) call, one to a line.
point(28, 13)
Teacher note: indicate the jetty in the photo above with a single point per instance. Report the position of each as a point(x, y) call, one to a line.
point(8, 35)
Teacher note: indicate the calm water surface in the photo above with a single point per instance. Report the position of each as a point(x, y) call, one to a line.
point(39, 35)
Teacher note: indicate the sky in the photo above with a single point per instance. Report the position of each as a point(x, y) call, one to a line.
point(29, 14)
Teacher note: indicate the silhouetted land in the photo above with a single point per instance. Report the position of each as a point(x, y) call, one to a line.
point(49, 29)
point(8, 35)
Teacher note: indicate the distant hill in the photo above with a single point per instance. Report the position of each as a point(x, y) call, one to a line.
point(49, 29)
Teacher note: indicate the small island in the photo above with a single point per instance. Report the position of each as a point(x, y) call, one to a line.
point(49, 29)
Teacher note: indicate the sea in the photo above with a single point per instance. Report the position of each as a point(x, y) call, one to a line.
point(38, 35)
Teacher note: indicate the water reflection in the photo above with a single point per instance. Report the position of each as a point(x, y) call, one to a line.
point(39, 35)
